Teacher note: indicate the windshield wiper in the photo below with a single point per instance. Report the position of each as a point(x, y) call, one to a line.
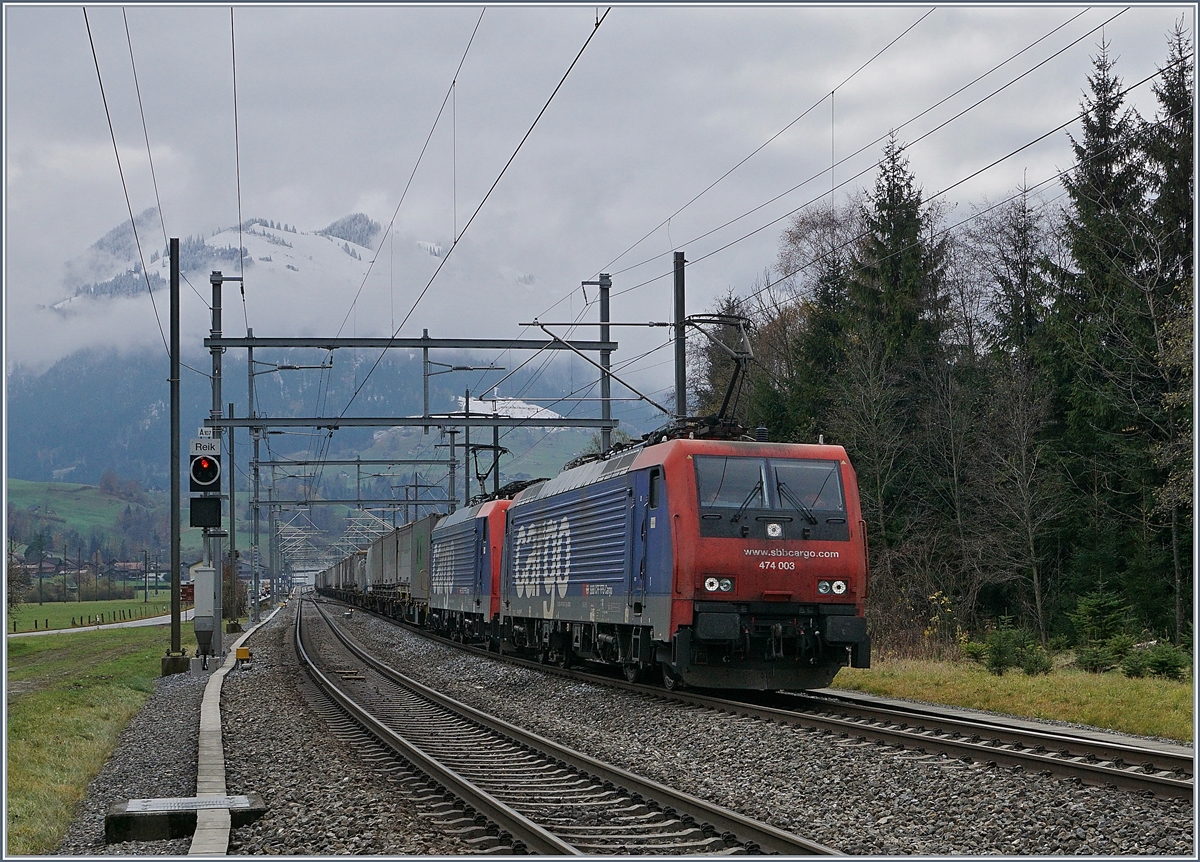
point(757, 489)
point(786, 492)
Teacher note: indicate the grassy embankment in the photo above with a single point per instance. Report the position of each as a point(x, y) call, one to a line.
point(69, 697)
point(58, 615)
point(1146, 707)
point(87, 510)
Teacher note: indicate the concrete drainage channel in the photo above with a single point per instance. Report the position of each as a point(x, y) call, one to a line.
point(211, 813)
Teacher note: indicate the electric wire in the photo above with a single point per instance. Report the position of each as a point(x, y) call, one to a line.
point(128, 204)
point(949, 188)
point(479, 208)
point(667, 221)
point(987, 167)
point(327, 442)
point(852, 155)
point(763, 146)
point(416, 166)
point(856, 176)
point(944, 231)
point(149, 155)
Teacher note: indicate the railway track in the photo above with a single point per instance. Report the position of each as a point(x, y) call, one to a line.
point(1089, 759)
point(539, 796)
point(990, 741)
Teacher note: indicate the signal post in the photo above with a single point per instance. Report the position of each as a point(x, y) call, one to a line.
point(204, 477)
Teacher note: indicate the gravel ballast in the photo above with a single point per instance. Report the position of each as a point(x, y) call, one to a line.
point(155, 757)
point(857, 798)
point(323, 798)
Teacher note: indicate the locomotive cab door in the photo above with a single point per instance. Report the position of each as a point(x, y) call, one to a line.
point(647, 489)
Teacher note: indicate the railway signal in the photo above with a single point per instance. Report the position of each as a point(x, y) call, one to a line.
point(205, 473)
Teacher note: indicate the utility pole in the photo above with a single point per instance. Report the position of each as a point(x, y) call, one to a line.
point(272, 555)
point(453, 495)
point(232, 519)
point(680, 341)
point(496, 459)
point(212, 538)
point(174, 661)
point(467, 467)
point(146, 576)
point(425, 377)
point(605, 285)
point(254, 435)
point(605, 363)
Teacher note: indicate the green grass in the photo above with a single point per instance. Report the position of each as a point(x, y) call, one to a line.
point(69, 697)
point(1146, 707)
point(83, 507)
point(87, 509)
point(60, 614)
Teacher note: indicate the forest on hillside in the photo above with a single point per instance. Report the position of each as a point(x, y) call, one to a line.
point(1014, 389)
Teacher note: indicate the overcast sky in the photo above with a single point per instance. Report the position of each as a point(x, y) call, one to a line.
point(334, 105)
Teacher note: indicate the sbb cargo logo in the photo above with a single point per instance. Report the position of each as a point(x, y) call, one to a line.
point(542, 559)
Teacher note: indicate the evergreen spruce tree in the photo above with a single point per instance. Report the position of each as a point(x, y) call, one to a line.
point(1110, 325)
point(895, 284)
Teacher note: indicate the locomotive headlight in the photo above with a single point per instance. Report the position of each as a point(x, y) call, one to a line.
point(823, 587)
point(726, 585)
point(712, 584)
point(839, 587)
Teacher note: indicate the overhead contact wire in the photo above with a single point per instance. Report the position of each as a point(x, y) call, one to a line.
point(416, 166)
point(866, 170)
point(466, 226)
point(806, 112)
point(128, 204)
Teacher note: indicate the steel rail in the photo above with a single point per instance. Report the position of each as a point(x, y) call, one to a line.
point(756, 835)
point(980, 742)
point(981, 745)
point(520, 827)
point(1107, 749)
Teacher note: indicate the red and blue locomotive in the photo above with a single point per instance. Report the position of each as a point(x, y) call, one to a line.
point(717, 563)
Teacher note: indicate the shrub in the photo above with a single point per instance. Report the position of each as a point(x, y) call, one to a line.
point(1095, 659)
point(1166, 661)
point(975, 651)
point(1120, 646)
point(1003, 650)
point(1100, 615)
point(1058, 643)
point(1134, 664)
point(1034, 661)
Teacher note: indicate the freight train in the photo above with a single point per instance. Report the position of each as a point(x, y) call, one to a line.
point(704, 562)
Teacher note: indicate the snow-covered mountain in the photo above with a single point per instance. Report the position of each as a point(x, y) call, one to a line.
point(509, 407)
point(326, 269)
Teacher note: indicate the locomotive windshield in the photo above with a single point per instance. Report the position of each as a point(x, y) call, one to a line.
point(813, 484)
point(768, 483)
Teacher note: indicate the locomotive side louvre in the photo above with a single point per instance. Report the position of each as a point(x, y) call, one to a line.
point(465, 568)
point(587, 566)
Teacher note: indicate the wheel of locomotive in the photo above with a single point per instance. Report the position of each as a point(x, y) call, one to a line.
point(633, 673)
point(566, 661)
point(672, 682)
point(543, 656)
